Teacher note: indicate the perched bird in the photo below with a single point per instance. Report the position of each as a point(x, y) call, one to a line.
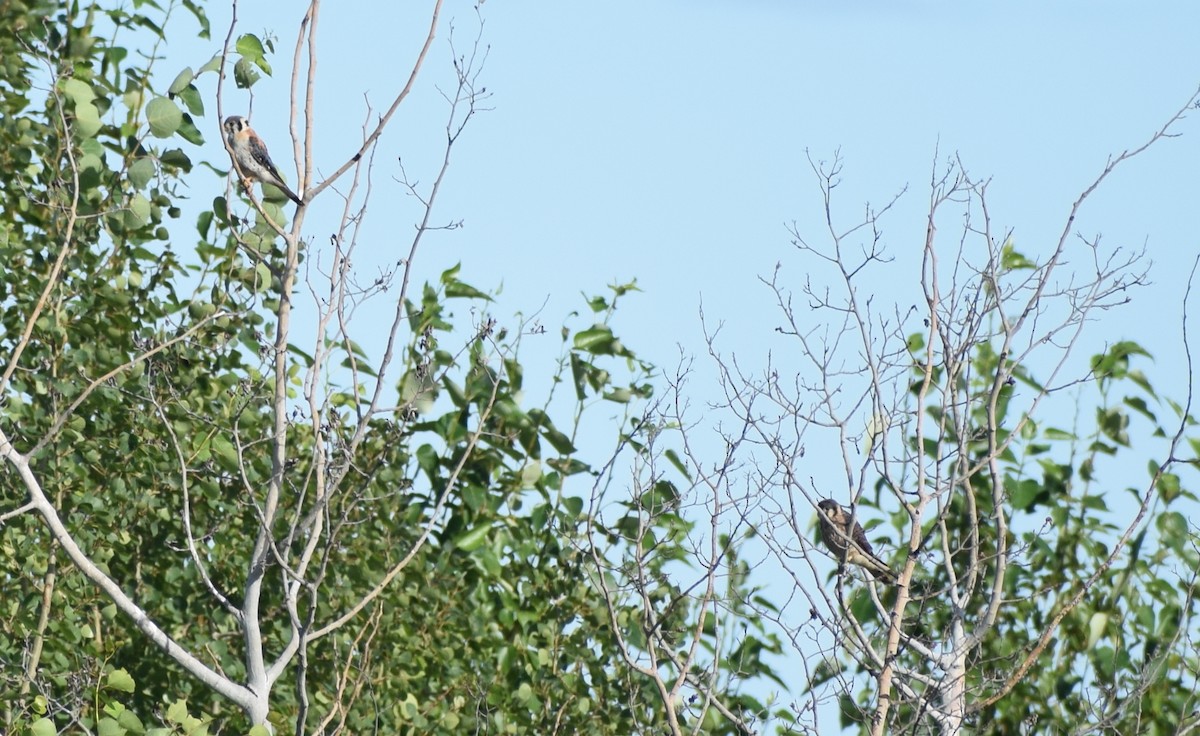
point(850, 545)
point(250, 155)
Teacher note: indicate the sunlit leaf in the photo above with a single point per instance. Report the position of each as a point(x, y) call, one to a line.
point(164, 117)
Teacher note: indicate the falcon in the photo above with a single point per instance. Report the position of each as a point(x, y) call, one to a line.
point(850, 545)
point(250, 155)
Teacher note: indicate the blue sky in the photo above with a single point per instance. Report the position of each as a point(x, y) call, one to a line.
point(666, 141)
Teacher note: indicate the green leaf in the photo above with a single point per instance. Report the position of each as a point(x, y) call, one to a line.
point(597, 340)
point(137, 214)
point(42, 727)
point(1114, 423)
point(1138, 404)
point(1170, 487)
point(175, 158)
point(1058, 435)
point(87, 120)
point(77, 90)
point(252, 50)
point(249, 45)
point(211, 65)
point(177, 711)
point(860, 603)
point(131, 723)
point(597, 304)
point(263, 280)
point(568, 465)
point(1173, 528)
point(244, 73)
point(120, 680)
point(457, 289)
point(674, 459)
point(1096, 627)
point(579, 374)
point(1011, 260)
point(192, 100)
point(531, 474)
point(475, 496)
point(619, 395)
point(141, 171)
point(620, 290)
point(134, 99)
point(573, 505)
point(1114, 363)
point(182, 80)
point(559, 441)
point(164, 117)
point(474, 538)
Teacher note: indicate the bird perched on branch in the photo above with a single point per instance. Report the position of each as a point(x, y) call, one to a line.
point(251, 157)
point(850, 545)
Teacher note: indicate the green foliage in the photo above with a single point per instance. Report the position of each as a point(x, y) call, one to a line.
point(1044, 587)
point(111, 716)
point(1059, 494)
point(141, 381)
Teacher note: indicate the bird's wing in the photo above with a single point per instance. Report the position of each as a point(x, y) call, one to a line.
point(860, 539)
point(258, 151)
point(861, 553)
point(871, 564)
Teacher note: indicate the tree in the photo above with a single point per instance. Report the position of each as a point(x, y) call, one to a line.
point(219, 508)
point(977, 447)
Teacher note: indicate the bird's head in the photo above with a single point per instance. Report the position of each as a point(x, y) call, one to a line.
point(235, 124)
point(829, 506)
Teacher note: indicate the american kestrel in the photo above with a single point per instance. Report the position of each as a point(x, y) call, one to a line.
point(837, 536)
point(250, 153)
